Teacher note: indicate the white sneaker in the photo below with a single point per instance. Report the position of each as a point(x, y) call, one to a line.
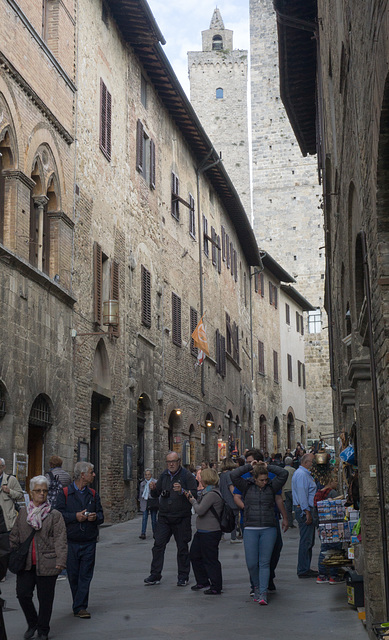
point(236, 541)
point(61, 577)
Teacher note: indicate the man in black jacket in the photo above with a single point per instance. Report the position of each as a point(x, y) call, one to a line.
point(82, 511)
point(174, 518)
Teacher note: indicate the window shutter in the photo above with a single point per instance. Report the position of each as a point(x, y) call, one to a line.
point(302, 325)
point(303, 376)
point(287, 313)
point(139, 146)
point(33, 248)
point(146, 296)
point(232, 258)
point(46, 242)
point(205, 232)
point(256, 282)
point(228, 250)
point(105, 120)
point(235, 342)
point(98, 282)
point(193, 325)
point(290, 377)
point(115, 280)
point(223, 355)
point(175, 192)
point(218, 362)
point(299, 367)
point(275, 365)
point(261, 357)
point(2, 199)
point(262, 280)
point(297, 322)
point(152, 164)
point(192, 220)
point(219, 256)
point(236, 265)
point(176, 319)
point(223, 244)
point(270, 293)
point(213, 238)
point(275, 297)
point(228, 334)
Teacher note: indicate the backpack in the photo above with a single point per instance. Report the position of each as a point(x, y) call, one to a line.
point(227, 518)
point(54, 489)
point(66, 491)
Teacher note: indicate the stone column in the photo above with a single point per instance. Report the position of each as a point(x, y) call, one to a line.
point(40, 202)
point(360, 377)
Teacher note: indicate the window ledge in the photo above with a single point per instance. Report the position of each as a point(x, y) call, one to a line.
point(233, 362)
point(146, 340)
point(26, 269)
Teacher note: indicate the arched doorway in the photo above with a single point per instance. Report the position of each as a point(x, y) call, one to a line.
point(100, 407)
point(290, 431)
point(263, 433)
point(174, 431)
point(276, 435)
point(40, 419)
point(192, 444)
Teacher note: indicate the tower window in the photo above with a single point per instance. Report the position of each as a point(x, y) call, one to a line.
point(219, 92)
point(217, 43)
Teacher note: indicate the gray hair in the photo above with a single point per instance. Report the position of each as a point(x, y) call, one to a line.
point(288, 461)
point(81, 467)
point(151, 471)
point(2, 462)
point(39, 480)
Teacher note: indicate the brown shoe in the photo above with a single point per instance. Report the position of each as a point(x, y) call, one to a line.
point(83, 613)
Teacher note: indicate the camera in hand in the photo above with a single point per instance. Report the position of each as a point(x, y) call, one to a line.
point(87, 513)
point(165, 493)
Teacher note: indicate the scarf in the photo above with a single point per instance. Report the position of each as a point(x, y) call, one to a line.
point(36, 515)
point(146, 490)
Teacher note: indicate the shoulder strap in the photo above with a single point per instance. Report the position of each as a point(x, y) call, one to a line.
point(65, 490)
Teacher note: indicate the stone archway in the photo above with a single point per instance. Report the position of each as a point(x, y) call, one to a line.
point(101, 410)
point(291, 436)
point(145, 435)
point(39, 421)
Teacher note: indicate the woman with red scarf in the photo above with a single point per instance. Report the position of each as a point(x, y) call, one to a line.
point(46, 557)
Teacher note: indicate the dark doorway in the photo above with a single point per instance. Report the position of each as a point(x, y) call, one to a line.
point(98, 407)
point(38, 422)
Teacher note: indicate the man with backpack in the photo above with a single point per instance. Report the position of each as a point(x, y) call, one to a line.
point(10, 493)
point(82, 511)
point(58, 479)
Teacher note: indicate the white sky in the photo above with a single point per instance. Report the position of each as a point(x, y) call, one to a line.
point(182, 21)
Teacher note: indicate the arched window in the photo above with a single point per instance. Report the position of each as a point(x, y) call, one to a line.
point(219, 92)
point(217, 43)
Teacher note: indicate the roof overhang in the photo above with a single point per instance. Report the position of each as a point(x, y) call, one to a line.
point(140, 31)
point(297, 48)
point(278, 272)
point(297, 297)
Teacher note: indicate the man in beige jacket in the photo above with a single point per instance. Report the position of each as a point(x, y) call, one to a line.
point(10, 491)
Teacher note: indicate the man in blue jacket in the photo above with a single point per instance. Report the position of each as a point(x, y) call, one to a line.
point(82, 511)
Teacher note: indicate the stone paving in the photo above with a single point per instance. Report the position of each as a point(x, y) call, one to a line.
point(122, 607)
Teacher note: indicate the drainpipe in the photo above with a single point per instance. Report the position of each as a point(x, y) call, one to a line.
point(380, 476)
point(200, 169)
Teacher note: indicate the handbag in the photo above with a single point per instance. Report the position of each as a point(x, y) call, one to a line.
point(152, 503)
point(17, 557)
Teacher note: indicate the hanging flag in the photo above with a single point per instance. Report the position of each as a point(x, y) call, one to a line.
point(199, 337)
point(200, 358)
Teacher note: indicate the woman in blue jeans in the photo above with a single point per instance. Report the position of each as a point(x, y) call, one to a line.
point(144, 503)
point(260, 531)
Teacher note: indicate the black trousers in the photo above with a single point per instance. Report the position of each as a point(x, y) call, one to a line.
point(182, 532)
point(204, 556)
point(45, 588)
point(275, 556)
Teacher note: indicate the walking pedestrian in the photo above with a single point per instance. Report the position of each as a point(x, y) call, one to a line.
point(227, 489)
point(260, 530)
point(82, 511)
point(174, 518)
point(304, 489)
point(287, 491)
point(204, 550)
point(10, 492)
point(45, 559)
point(148, 505)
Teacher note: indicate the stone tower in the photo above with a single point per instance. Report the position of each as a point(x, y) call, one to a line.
point(287, 213)
point(218, 92)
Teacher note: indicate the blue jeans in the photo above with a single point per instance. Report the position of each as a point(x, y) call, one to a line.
point(80, 566)
point(307, 541)
point(153, 514)
point(323, 570)
point(258, 547)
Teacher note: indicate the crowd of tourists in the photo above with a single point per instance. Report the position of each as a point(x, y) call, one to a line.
point(253, 498)
point(264, 493)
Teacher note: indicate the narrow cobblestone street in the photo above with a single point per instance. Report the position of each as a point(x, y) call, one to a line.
point(122, 607)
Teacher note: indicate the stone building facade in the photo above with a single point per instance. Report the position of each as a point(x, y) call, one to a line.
point(287, 206)
point(345, 51)
point(36, 232)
